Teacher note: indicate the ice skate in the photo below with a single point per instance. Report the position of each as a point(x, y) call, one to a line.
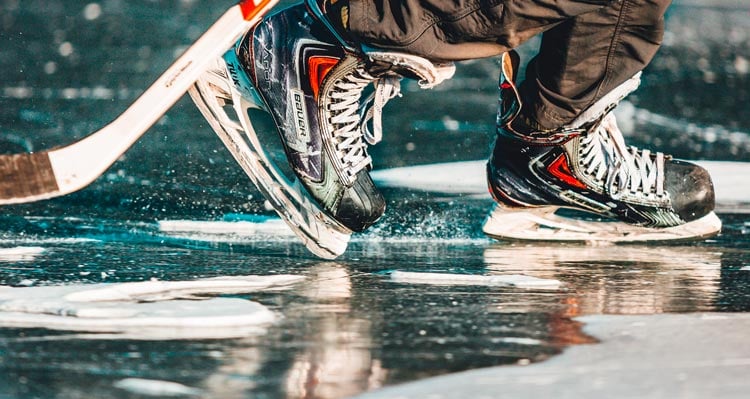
point(295, 67)
point(624, 194)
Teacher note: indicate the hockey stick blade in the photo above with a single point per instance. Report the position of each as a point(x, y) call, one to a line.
point(37, 176)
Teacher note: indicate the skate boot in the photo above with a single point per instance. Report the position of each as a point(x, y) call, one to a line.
point(325, 97)
point(625, 194)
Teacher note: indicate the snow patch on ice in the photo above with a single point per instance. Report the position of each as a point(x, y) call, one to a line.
point(451, 177)
point(161, 290)
point(517, 340)
point(20, 254)
point(140, 386)
point(23, 241)
point(210, 230)
point(147, 310)
point(508, 280)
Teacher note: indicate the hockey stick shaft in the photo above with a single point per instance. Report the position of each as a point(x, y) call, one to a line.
point(60, 171)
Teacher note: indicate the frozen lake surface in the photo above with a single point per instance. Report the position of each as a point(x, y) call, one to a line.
point(168, 277)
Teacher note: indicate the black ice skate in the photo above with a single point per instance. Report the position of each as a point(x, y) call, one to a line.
point(294, 66)
point(628, 194)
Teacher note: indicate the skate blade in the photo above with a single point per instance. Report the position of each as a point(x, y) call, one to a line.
point(542, 224)
point(221, 88)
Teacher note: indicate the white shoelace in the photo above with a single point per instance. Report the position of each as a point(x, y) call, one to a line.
point(350, 118)
point(623, 169)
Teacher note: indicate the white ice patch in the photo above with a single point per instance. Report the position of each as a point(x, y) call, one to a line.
point(745, 268)
point(516, 340)
point(730, 180)
point(20, 254)
point(211, 230)
point(508, 280)
point(36, 241)
point(452, 177)
point(140, 386)
point(146, 310)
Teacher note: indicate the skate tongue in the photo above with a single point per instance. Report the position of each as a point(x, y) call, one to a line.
point(388, 68)
point(410, 66)
point(604, 105)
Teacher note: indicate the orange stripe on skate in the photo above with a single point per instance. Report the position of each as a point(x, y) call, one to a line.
point(250, 8)
point(318, 68)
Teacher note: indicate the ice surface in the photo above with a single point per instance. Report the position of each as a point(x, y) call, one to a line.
point(31, 240)
point(146, 310)
point(140, 386)
point(348, 328)
point(507, 280)
point(645, 356)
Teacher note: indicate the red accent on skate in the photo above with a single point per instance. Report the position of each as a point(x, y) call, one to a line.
point(506, 85)
point(560, 169)
point(318, 67)
point(250, 8)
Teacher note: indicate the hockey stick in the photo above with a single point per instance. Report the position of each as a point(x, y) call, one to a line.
point(36, 176)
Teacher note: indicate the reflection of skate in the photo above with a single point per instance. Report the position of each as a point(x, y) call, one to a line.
point(614, 279)
point(221, 87)
point(339, 362)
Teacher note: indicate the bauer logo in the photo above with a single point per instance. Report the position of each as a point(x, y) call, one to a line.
point(300, 115)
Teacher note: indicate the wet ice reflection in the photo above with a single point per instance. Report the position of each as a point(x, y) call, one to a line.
point(619, 279)
point(340, 361)
point(350, 327)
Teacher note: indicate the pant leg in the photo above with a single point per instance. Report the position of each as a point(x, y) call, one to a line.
point(458, 29)
point(589, 46)
point(584, 58)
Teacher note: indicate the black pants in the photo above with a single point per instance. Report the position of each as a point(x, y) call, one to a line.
point(589, 47)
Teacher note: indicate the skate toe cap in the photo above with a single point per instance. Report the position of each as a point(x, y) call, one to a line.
point(691, 190)
point(361, 204)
